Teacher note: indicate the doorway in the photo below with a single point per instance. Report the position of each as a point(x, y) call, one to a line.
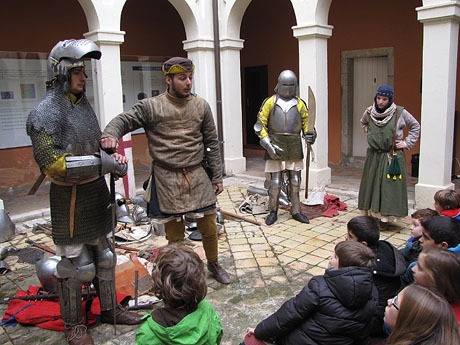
point(363, 71)
point(254, 92)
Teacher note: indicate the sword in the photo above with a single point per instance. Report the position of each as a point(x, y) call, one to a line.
point(114, 260)
point(37, 184)
point(311, 125)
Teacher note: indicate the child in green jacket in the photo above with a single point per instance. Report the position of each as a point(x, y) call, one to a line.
point(186, 318)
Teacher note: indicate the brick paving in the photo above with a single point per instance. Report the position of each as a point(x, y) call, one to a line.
point(269, 264)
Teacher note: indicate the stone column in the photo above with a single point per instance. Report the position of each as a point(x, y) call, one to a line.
point(313, 73)
point(201, 52)
point(109, 95)
point(232, 120)
point(439, 72)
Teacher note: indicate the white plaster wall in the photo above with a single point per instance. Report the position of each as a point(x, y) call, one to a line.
point(312, 32)
point(104, 18)
point(439, 70)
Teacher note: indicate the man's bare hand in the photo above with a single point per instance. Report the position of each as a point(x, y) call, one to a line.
point(218, 188)
point(120, 158)
point(109, 143)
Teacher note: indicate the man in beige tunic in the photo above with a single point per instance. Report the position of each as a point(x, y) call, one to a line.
point(181, 134)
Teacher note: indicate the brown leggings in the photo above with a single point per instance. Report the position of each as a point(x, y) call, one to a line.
point(206, 226)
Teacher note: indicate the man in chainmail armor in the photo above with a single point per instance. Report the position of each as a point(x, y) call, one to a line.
point(181, 135)
point(65, 138)
point(281, 119)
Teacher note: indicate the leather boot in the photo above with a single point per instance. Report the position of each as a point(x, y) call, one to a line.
point(300, 218)
point(78, 335)
point(271, 218)
point(219, 273)
point(123, 316)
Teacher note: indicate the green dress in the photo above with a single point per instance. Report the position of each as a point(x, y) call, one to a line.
point(377, 192)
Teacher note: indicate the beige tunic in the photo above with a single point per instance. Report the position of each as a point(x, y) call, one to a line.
point(177, 130)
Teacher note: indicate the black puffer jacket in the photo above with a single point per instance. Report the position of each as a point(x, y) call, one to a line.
point(387, 278)
point(335, 308)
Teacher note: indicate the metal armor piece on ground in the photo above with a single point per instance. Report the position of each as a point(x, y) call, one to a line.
point(46, 272)
point(122, 211)
point(7, 227)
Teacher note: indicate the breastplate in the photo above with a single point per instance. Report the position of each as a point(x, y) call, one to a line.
point(287, 123)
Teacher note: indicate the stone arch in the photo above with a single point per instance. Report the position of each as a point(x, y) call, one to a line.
point(189, 18)
point(99, 15)
point(311, 12)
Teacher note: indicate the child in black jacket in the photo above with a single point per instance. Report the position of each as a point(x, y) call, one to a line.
point(389, 267)
point(335, 308)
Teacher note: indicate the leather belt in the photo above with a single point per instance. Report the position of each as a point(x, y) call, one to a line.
point(184, 172)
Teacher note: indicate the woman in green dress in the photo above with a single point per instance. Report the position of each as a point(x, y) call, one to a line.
point(383, 188)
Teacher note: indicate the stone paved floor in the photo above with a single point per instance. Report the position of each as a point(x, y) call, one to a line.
point(269, 264)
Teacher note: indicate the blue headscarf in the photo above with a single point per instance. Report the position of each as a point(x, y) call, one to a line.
point(384, 91)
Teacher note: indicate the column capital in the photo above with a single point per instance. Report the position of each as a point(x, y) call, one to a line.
point(106, 36)
point(310, 31)
point(198, 44)
point(447, 10)
point(231, 43)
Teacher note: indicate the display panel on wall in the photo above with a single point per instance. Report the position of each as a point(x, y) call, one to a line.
point(22, 86)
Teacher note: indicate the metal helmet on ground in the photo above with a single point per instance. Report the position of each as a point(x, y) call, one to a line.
point(69, 54)
point(122, 210)
point(46, 272)
point(7, 227)
point(287, 83)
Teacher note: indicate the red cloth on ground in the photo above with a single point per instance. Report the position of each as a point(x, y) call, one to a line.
point(47, 314)
point(334, 206)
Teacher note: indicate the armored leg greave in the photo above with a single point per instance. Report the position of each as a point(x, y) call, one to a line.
point(274, 191)
point(70, 303)
point(294, 189)
point(73, 273)
point(105, 282)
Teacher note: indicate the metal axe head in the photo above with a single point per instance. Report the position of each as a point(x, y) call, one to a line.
point(311, 109)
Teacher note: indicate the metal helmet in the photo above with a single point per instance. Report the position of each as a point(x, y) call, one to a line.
point(3, 252)
point(287, 83)
point(7, 227)
point(139, 214)
point(69, 54)
point(122, 210)
point(46, 272)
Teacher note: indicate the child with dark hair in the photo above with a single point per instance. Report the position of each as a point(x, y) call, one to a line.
point(334, 308)
point(439, 269)
point(390, 264)
point(186, 318)
point(440, 231)
point(447, 203)
point(413, 249)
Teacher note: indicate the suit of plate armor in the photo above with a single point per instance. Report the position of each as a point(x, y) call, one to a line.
point(280, 121)
point(65, 136)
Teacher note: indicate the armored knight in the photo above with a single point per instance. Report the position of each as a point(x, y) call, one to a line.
point(281, 119)
point(65, 138)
